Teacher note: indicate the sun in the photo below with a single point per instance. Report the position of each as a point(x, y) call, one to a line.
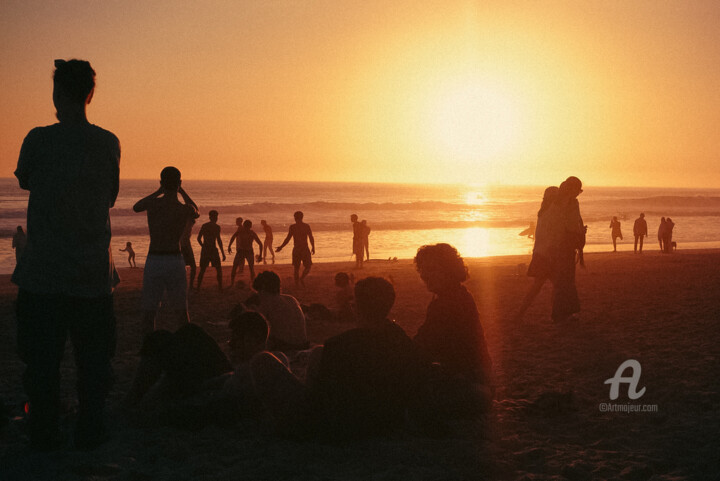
point(473, 121)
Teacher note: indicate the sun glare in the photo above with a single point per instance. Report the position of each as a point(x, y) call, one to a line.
point(473, 121)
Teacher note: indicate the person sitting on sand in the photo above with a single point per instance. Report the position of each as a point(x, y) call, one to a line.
point(209, 240)
point(344, 308)
point(540, 264)
point(175, 366)
point(616, 232)
point(300, 233)
point(640, 230)
point(245, 237)
point(452, 334)
point(283, 313)
point(131, 253)
point(364, 382)
point(268, 242)
point(164, 272)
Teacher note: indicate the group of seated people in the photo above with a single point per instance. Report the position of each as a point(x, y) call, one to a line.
point(368, 381)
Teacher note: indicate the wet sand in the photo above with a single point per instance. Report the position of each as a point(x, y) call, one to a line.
point(546, 423)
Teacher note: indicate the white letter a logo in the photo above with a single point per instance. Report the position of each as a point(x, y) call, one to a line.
point(632, 380)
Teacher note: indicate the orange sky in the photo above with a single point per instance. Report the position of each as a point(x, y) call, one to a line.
point(615, 92)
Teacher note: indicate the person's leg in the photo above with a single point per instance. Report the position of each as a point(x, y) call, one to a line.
point(236, 262)
point(565, 296)
point(251, 265)
point(92, 330)
point(192, 275)
point(219, 276)
point(641, 243)
point(635, 246)
point(530, 297)
point(41, 336)
point(614, 244)
point(204, 262)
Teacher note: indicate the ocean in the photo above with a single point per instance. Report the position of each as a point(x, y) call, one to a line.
point(480, 221)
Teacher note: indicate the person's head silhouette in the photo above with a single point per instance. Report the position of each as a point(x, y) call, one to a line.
point(213, 214)
point(73, 88)
point(170, 179)
point(374, 297)
point(298, 216)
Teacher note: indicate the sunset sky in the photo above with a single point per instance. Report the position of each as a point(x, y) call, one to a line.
point(511, 92)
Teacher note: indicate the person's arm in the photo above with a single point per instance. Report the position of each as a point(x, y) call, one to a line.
point(219, 241)
point(200, 236)
point(26, 160)
point(231, 241)
point(144, 203)
point(312, 240)
point(257, 239)
point(287, 239)
point(116, 172)
point(194, 212)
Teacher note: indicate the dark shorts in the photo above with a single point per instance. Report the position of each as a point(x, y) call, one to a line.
point(301, 256)
point(243, 255)
point(211, 257)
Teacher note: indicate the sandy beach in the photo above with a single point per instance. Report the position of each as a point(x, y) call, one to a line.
point(546, 421)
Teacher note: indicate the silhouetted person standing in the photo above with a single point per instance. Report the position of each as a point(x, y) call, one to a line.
point(640, 230)
point(366, 238)
point(616, 232)
point(661, 234)
point(18, 243)
point(131, 254)
point(667, 237)
point(209, 240)
point(567, 234)
point(357, 243)
point(268, 242)
point(300, 232)
point(67, 274)
point(245, 237)
point(164, 272)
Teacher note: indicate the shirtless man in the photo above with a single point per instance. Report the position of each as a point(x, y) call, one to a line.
point(244, 249)
point(300, 233)
point(165, 267)
point(208, 237)
point(267, 245)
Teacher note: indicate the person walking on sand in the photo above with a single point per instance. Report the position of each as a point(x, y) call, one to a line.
point(268, 242)
point(667, 237)
point(244, 249)
point(164, 272)
point(357, 243)
point(300, 233)
point(540, 264)
point(616, 232)
point(640, 230)
point(67, 275)
point(566, 235)
point(209, 240)
point(187, 251)
point(366, 238)
point(18, 243)
point(661, 234)
point(131, 254)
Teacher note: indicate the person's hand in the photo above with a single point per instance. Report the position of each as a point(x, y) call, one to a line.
point(229, 250)
point(313, 251)
point(223, 255)
point(278, 249)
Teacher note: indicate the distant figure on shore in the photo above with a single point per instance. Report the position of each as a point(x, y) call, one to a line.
point(530, 231)
point(366, 238)
point(300, 233)
point(131, 253)
point(540, 266)
point(667, 237)
point(18, 243)
point(616, 232)
point(283, 313)
point(268, 242)
point(452, 334)
point(357, 242)
point(209, 240)
point(244, 249)
point(187, 251)
point(164, 273)
point(661, 234)
point(66, 275)
point(640, 230)
point(567, 235)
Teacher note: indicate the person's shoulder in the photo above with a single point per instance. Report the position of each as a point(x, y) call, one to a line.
point(100, 132)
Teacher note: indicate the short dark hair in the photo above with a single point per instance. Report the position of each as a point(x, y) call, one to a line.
point(441, 256)
point(374, 296)
point(298, 215)
point(267, 281)
point(75, 79)
point(213, 213)
point(247, 224)
point(170, 177)
point(249, 323)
